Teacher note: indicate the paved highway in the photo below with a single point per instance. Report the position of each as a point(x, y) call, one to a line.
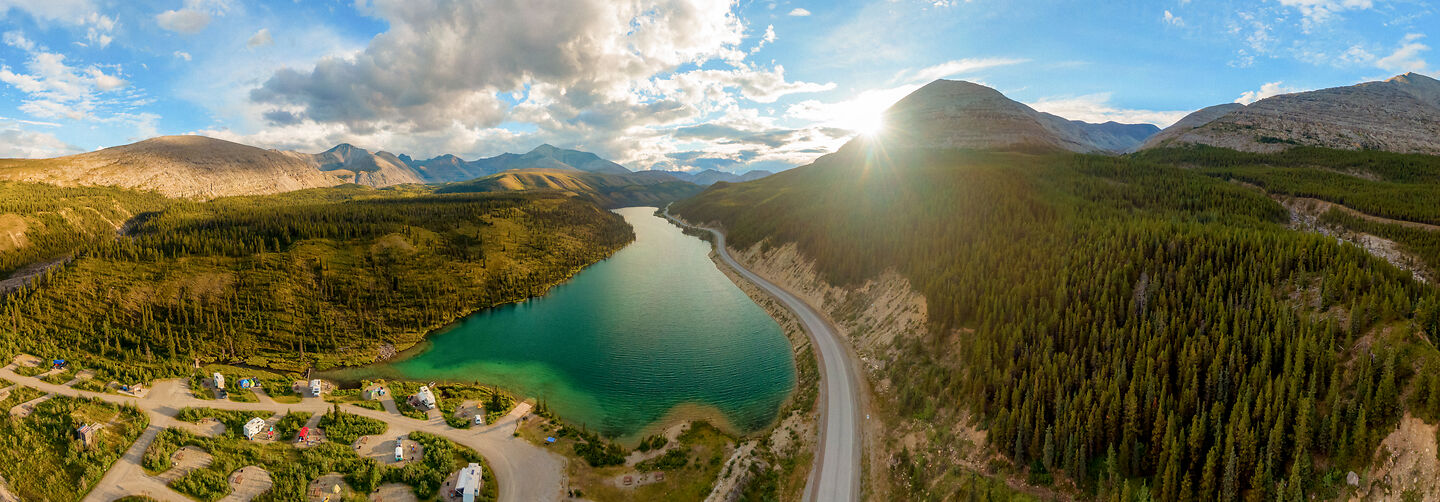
point(836, 476)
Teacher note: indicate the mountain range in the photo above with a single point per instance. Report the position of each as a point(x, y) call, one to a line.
point(203, 167)
point(1401, 114)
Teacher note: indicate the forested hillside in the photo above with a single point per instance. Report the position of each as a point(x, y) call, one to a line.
point(317, 277)
point(605, 190)
point(40, 223)
point(1119, 326)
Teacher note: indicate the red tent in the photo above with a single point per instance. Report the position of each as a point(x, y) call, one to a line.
point(304, 433)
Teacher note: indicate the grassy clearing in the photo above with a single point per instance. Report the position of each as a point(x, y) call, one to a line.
point(234, 420)
point(44, 460)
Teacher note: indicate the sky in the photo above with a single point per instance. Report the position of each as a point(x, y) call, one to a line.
point(652, 84)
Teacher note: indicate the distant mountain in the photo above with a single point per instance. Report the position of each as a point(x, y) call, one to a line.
point(956, 114)
point(446, 168)
point(177, 166)
point(550, 157)
point(710, 176)
point(1401, 114)
point(358, 165)
point(605, 190)
point(1196, 119)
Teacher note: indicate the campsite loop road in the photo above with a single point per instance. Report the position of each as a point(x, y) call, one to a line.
point(524, 472)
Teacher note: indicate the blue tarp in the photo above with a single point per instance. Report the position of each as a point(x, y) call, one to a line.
point(549, 440)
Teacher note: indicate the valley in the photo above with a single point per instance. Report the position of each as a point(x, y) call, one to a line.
point(970, 298)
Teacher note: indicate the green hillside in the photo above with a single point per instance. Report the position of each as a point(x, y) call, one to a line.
point(39, 223)
point(1122, 324)
point(323, 277)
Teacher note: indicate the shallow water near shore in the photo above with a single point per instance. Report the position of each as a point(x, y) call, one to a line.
point(656, 333)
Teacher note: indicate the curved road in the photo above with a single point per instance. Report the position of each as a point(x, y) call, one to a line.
point(836, 476)
point(524, 472)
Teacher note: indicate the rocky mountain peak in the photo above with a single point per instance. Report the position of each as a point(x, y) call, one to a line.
point(966, 115)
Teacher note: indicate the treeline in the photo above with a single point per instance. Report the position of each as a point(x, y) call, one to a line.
point(1392, 185)
point(1424, 244)
point(48, 222)
point(1115, 321)
point(317, 277)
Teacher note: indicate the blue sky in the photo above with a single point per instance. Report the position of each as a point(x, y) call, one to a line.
point(669, 84)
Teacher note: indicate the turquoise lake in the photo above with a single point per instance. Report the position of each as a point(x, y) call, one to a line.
point(656, 333)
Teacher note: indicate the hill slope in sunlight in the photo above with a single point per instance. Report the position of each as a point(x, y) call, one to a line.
point(605, 190)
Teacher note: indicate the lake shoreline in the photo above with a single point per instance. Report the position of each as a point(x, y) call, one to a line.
point(630, 345)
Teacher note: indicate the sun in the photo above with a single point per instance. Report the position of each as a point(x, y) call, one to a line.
point(864, 114)
point(862, 120)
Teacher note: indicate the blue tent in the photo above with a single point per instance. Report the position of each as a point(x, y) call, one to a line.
point(549, 440)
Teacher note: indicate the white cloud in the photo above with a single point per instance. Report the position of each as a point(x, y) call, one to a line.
point(260, 38)
point(1320, 11)
point(445, 61)
point(53, 88)
point(193, 17)
point(17, 40)
point(69, 11)
point(184, 21)
point(607, 77)
point(99, 28)
point(799, 12)
point(182, 55)
point(952, 68)
point(1096, 108)
point(1173, 20)
point(80, 13)
point(1265, 91)
point(20, 143)
point(1407, 57)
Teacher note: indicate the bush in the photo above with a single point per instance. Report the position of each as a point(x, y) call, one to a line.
point(345, 428)
point(671, 460)
point(203, 484)
point(290, 424)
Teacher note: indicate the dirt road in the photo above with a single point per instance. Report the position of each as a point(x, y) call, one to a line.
point(524, 472)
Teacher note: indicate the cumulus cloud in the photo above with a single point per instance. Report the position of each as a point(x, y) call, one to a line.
point(21, 143)
point(79, 13)
point(52, 87)
point(1096, 108)
point(182, 55)
point(799, 12)
point(444, 62)
point(1265, 91)
point(193, 17)
point(1407, 57)
point(952, 68)
point(260, 38)
point(611, 77)
point(184, 21)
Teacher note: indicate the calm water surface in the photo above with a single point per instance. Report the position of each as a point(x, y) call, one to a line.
point(654, 331)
